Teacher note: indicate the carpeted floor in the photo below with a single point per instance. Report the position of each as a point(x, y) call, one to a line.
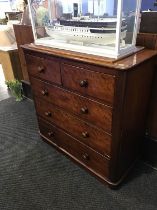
point(33, 176)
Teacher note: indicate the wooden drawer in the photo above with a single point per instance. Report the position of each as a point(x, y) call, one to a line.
point(84, 155)
point(98, 85)
point(47, 69)
point(86, 133)
point(96, 113)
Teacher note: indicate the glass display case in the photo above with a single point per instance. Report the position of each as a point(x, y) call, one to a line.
point(101, 27)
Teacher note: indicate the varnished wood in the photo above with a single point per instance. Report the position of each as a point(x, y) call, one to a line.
point(24, 35)
point(118, 90)
point(95, 138)
point(117, 126)
point(85, 155)
point(42, 68)
point(98, 114)
point(55, 142)
point(89, 83)
point(152, 118)
point(134, 114)
point(121, 65)
point(149, 40)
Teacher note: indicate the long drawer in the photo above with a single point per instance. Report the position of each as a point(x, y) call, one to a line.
point(90, 83)
point(44, 68)
point(86, 133)
point(92, 111)
point(84, 155)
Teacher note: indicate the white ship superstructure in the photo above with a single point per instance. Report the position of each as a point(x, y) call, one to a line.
point(98, 31)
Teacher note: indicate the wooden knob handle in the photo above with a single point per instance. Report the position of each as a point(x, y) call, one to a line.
point(85, 134)
point(83, 83)
point(84, 110)
point(51, 134)
point(48, 114)
point(41, 69)
point(85, 156)
point(44, 92)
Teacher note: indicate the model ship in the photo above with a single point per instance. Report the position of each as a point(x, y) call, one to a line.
point(106, 28)
point(85, 29)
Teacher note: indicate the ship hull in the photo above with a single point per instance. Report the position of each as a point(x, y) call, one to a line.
point(84, 37)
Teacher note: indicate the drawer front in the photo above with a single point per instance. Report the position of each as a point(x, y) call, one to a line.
point(90, 83)
point(83, 154)
point(47, 69)
point(88, 134)
point(90, 110)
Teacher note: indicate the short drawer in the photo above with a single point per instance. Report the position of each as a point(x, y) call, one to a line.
point(47, 69)
point(81, 153)
point(98, 85)
point(86, 133)
point(90, 110)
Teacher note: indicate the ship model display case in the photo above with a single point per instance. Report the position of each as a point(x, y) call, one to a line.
point(105, 28)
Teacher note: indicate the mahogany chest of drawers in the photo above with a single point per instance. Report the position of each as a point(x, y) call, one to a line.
point(91, 109)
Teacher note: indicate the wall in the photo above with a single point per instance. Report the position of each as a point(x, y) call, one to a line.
point(148, 4)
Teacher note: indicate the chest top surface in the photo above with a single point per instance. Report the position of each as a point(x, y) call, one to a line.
point(121, 65)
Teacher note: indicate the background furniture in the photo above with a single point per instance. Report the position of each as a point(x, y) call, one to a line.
point(92, 110)
point(13, 15)
point(10, 63)
point(24, 35)
point(8, 53)
point(148, 22)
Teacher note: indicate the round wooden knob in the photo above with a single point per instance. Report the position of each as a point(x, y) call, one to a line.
point(51, 134)
point(84, 110)
point(48, 114)
point(41, 69)
point(85, 134)
point(83, 83)
point(85, 156)
point(44, 92)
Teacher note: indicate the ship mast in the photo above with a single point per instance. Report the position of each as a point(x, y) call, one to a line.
point(93, 7)
point(55, 12)
point(98, 8)
point(52, 9)
point(80, 8)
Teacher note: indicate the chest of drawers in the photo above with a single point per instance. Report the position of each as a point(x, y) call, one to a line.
point(92, 110)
